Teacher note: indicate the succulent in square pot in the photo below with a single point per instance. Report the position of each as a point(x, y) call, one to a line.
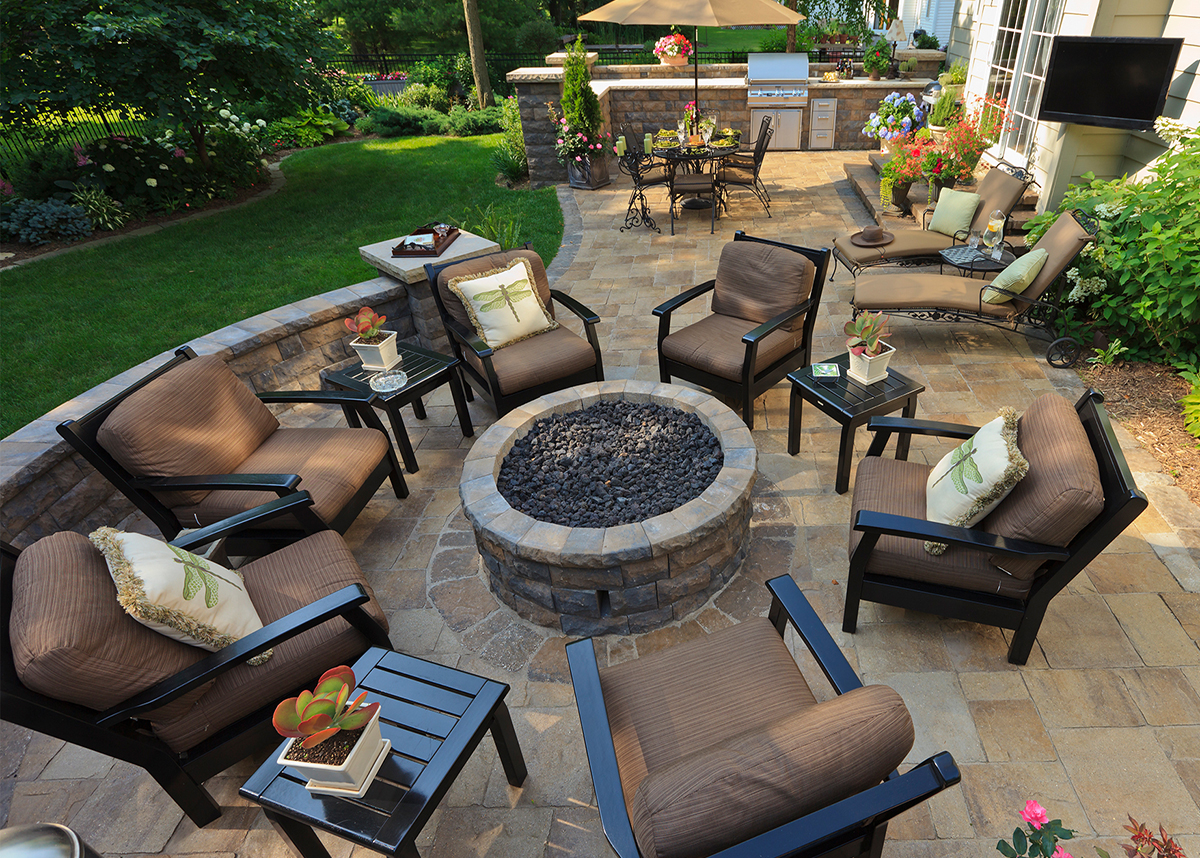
point(376, 347)
point(337, 745)
point(869, 354)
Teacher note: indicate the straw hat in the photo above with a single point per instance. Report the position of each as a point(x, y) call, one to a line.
point(872, 236)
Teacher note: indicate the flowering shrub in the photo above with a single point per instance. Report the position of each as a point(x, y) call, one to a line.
point(1042, 839)
point(396, 75)
point(572, 145)
point(126, 167)
point(1140, 279)
point(897, 116)
point(978, 129)
point(674, 45)
point(1145, 843)
point(907, 163)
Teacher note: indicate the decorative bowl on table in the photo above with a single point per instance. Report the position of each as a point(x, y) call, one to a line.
point(389, 381)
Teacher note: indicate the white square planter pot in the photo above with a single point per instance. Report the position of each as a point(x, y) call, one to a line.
point(351, 778)
point(868, 370)
point(379, 356)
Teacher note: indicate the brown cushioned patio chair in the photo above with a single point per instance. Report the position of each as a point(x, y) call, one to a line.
point(1076, 498)
point(764, 309)
point(525, 370)
point(952, 298)
point(190, 444)
point(75, 666)
point(1002, 188)
point(719, 746)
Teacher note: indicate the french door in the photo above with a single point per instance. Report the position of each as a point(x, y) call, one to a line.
point(1018, 68)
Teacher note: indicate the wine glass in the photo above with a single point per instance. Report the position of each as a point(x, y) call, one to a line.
point(683, 132)
point(706, 131)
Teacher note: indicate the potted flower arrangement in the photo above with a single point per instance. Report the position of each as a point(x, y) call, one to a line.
point(954, 78)
point(338, 747)
point(869, 354)
point(376, 347)
point(945, 112)
point(578, 141)
point(877, 59)
point(907, 165)
point(942, 169)
point(897, 117)
point(673, 50)
point(979, 129)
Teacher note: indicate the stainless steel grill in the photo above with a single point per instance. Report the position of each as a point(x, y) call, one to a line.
point(777, 84)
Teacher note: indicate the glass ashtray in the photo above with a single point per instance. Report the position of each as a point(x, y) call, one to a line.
point(389, 381)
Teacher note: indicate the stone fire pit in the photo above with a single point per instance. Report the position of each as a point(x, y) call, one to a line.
point(612, 580)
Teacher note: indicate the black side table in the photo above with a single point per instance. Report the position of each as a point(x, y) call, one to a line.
point(434, 716)
point(851, 404)
point(427, 371)
point(971, 260)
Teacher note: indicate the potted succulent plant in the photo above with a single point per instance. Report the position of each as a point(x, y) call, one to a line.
point(338, 747)
point(376, 347)
point(869, 354)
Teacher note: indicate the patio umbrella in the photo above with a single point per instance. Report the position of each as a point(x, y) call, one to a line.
point(698, 13)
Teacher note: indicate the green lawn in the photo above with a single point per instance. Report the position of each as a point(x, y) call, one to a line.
point(722, 39)
point(71, 322)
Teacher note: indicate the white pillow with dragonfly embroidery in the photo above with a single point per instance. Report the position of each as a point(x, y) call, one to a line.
point(503, 304)
point(971, 480)
point(177, 593)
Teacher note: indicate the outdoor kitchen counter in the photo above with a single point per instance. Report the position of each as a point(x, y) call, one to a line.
point(857, 99)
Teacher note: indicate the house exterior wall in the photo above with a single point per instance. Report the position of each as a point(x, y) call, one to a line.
point(1062, 152)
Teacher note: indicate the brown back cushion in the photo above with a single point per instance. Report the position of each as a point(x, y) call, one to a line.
point(199, 418)
point(1062, 492)
point(1063, 240)
point(748, 784)
point(759, 281)
point(72, 641)
point(997, 190)
point(483, 264)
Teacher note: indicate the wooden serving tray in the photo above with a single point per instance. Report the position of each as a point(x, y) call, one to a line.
point(439, 244)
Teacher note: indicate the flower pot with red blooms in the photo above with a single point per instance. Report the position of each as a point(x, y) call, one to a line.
point(339, 748)
point(673, 50)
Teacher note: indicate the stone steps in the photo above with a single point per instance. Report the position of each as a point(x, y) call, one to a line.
point(864, 179)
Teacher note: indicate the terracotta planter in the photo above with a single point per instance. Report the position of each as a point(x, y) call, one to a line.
point(588, 174)
point(680, 60)
point(868, 370)
point(874, 75)
point(351, 778)
point(379, 356)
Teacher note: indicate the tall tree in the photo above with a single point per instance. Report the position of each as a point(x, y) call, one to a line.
point(166, 58)
point(483, 84)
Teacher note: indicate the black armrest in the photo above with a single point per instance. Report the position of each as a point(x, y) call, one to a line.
point(788, 603)
point(869, 521)
point(329, 397)
point(281, 483)
point(912, 426)
point(602, 755)
point(826, 827)
point(672, 304)
point(335, 604)
point(296, 504)
point(469, 338)
point(771, 325)
point(588, 317)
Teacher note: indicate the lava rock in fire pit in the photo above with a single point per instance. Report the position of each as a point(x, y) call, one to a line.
point(616, 462)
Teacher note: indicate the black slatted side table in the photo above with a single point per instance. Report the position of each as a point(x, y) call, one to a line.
point(434, 716)
point(851, 404)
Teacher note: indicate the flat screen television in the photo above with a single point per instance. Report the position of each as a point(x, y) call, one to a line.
point(1113, 82)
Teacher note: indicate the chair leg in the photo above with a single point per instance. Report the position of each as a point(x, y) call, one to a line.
point(507, 746)
point(748, 408)
point(1026, 633)
point(192, 798)
point(854, 584)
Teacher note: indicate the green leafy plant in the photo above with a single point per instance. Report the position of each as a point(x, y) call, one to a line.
point(322, 713)
point(102, 210)
point(909, 65)
point(580, 106)
point(573, 144)
point(427, 95)
point(956, 75)
point(492, 225)
point(468, 123)
point(39, 222)
point(1108, 356)
point(864, 334)
point(878, 57)
point(945, 110)
point(1144, 843)
point(510, 157)
point(367, 324)
point(1191, 404)
point(1042, 839)
point(926, 41)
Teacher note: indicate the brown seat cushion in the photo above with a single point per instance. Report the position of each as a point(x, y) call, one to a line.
point(664, 707)
point(714, 345)
point(333, 464)
point(907, 243)
point(1062, 492)
point(919, 291)
point(759, 281)
point(483, 264)
point(539, 359)
point(756, 781)
point(198, 418)
point(72, 641)
point(898, 488)
point(278, 584)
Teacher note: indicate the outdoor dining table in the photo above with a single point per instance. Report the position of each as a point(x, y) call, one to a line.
point(695, 159)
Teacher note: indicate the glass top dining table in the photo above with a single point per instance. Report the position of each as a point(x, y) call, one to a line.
point(695, 159)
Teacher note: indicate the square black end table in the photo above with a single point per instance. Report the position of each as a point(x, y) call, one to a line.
point(851, 404)
point(435, 717)
point(427, 370)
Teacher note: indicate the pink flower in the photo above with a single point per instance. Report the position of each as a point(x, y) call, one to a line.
point(1059, 852)
point(1034, 814)
point(578, 157)
point(560, 140)
point(178, 153)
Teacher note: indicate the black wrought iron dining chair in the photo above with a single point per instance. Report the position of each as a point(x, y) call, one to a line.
point(698, 185)
point(747, 177)
point(646, 171)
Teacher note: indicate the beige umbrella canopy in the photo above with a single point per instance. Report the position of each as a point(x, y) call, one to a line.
point(698, 13)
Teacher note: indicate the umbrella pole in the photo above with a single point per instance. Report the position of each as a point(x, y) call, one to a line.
point(696, 96)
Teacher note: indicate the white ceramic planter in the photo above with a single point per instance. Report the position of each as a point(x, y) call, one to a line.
point(352, 777)
point(868, 370)
point(379, 356)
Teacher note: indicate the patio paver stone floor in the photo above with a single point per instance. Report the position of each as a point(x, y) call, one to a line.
point(1104, 720)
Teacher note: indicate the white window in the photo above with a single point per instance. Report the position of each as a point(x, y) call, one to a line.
point(1018, 68)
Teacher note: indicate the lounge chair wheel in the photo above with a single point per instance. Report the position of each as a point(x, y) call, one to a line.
point(1064, 352)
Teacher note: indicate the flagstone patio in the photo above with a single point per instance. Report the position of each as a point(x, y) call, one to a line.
point(1103, 721)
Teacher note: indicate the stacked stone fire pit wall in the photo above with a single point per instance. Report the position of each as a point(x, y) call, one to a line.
point(613, 580)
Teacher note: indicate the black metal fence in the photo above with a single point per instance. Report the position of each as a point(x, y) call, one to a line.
point(19, 144)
